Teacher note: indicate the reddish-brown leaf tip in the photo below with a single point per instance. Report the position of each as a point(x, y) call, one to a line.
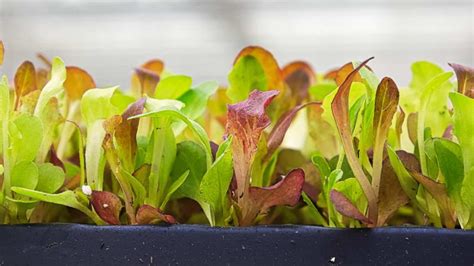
point(285, 192)
point(147, 214)
point(107, 205)
point(2, 52)
point(347, 208)
point(246, 120)
point(77, 82)
point(465, 77)
point(25, 81)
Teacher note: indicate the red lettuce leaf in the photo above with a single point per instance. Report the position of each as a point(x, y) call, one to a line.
point(346, 208)
point(286, 192)
point(147, 214)
point(107, 205)
point(465, 77)
point(245, 122)
point(299, 76)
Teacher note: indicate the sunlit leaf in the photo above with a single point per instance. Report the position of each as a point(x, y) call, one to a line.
point(77, 82)
point(25, 81)
point(54, 86)
point(268, 63)
point(173, 87)
point(247, 75)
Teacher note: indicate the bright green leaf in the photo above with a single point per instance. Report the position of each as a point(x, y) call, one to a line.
point(50, 178)
point(246, 75)
point(25, 175)
point(173, 87)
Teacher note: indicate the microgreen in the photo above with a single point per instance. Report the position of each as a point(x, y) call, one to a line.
point(343, 148)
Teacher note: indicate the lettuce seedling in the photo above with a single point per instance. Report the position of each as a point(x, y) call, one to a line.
point(245, 123)
point(379, 155)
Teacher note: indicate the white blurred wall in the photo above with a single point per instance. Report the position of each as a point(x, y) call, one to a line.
point(201, 38)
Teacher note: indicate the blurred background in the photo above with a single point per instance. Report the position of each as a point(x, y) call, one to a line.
point(201, 38)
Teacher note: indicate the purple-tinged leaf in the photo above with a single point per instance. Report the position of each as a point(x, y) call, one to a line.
point(465, 77)
point(344, 206)
point(148, 80)
point(125, 134)
point(147, 214)
point(245, 122)
point(440, 194)
point(340, 110)
point(299, 76)
point(386, 104)
point(286, 192)
point(391, 196)
point(107, 205)
point(53, 158)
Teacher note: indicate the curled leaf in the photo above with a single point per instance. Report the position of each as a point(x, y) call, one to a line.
point(347, 208)
point(245, 122)
point(465, 77)
point(147, 214)
point(269, 64)
point(286, 192)
point(148, 81)
point(155, 68)
point(107, 205)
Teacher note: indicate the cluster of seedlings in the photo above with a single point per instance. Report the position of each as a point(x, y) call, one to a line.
point(167, 150)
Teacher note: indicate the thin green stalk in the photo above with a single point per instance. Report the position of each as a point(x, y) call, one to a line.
point(114, 163)
point(6, 156)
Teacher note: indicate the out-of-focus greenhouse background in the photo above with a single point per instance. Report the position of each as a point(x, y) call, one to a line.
point(201, 38)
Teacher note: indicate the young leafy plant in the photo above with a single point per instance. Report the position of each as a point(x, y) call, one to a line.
point(359, 151)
